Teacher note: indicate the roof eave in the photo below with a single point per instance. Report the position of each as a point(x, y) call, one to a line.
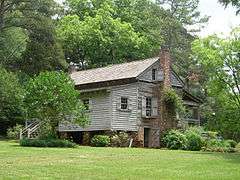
point(106, 83)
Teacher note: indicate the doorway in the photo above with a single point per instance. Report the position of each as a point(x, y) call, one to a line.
point(146, 137)
point(76, 136)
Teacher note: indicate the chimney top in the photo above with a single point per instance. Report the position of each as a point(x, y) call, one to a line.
point(165, 48)
point(165, 63)
point(72, 68)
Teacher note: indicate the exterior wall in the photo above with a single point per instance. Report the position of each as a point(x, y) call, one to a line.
point(105, 112)
point(99, 113)
point(165, 118)
point(124, 119)
point(148, 90)
point(147, 75)
point(175, 81)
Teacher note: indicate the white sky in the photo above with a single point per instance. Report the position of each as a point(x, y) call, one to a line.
point(221, 21)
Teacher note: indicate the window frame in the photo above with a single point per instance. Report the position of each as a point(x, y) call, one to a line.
point(126, 103)
point(86, 105)
point(154, 74)
point(149, 106)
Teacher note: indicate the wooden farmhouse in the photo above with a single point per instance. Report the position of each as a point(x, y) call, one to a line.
point(127, 97)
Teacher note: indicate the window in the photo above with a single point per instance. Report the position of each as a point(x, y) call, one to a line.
point(139, 102)
point(86, 103)
point(154, 74)
point(148, 106)
point(124, 103)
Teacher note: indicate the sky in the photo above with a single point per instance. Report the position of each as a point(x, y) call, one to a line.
point(221, 20)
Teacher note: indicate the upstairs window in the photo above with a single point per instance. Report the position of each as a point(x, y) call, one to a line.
point(148, 106)
point(154, 74)
point(86, 103)
point(124, 103)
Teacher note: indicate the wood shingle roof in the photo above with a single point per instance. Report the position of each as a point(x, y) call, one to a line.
point(113, 72)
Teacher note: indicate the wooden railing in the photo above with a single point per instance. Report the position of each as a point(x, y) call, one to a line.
point(192, 120)
point(31, 131)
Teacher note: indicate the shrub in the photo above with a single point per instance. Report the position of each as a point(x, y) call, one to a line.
point(194, 140)
point(14, 132)
point(216, 145)
point(232, 143)
point(219, 149)
point(46, 143)
point(197, 129)
point(100, 141)
point(212, 134)
point(120, 140)
point(238, 147)
point(175, 140)
point(171, 98)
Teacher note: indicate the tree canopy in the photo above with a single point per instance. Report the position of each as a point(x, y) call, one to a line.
point(11, 100)
point(51, 97)
point(235, 3)
point(219, 60)
point(100, 40)
point(27, 36)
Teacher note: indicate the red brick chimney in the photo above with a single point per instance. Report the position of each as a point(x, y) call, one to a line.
point(165, 63)
point(72, 68)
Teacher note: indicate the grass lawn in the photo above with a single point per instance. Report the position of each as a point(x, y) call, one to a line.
point(113, 163)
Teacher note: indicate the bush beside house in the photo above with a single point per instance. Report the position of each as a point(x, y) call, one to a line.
point(120, 139)
point(100, 141)
point(174, 139)
point(195, 139)
point(14, 132)
point(47, 143)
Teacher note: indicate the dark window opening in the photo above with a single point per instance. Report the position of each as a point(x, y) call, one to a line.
point(154, 74)
point(191, 113)
point(86, 103)
point(148, 106)
point(146, 137)
point(124, 103)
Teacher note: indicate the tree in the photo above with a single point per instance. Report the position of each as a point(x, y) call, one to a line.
point(184, 19)
point(32, 21)
point(151, 21)
point(12, 44)
point(185, 11)
point(43, 52)
point(11, 101)
point(52, 99)
point(235, 3)
point(100, 40)
point(219, 58)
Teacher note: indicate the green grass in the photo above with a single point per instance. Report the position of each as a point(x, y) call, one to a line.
point(113, 163)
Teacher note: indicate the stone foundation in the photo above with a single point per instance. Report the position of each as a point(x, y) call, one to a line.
point(86, 138)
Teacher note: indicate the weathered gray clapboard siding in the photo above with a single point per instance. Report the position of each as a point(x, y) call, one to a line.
point(105, 113)
point(124, 120)
point(145, 90)
point(147, 75)
point(175, 81)
point(100, 115)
